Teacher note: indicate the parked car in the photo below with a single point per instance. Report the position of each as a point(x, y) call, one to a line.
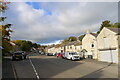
point(56, 54)
point(49, 54)
point(63, 54)
point(19, 55)
point(72, 56)
point(60, 55)
point(42, 53)
point(82, 55)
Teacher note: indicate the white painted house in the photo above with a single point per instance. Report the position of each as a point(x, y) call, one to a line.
point(108, 44)
point(89, 44)
point(75, 46)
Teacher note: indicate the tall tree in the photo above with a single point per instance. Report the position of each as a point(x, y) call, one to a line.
point(5, 30)
point(104, 24)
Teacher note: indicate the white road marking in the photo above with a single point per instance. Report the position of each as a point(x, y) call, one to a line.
point(34, 69)
point(14, 70)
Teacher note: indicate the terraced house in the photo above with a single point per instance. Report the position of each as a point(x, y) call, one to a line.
point(103, 46)
point(75, 46)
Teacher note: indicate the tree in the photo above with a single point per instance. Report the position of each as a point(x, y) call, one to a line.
point(104, 24)
point(35, 45)
point(5, 30)
point(26, 46)
point(72, 38)
point(116, 25)
point(81, 37)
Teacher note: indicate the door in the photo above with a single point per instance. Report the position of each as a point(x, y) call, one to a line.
point(109, 56)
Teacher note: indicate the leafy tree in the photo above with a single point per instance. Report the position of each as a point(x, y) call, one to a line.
point(81, 37)
point(116, 25)
point(108, 24)
point(104, 24)
point(35, 45)
point(26, 46)
point(5, 30)
point(69, 39)
point(72, 38)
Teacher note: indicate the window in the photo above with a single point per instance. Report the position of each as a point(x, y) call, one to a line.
point(92, 45)
point(70, 47)
point(72, 53)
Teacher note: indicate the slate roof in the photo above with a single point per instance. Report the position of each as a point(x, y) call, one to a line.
point(116, 30)
point(94, 34)
point(74, 43)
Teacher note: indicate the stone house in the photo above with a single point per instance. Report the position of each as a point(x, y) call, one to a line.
point(108, 44)
point(75, 46)
point(89, 44)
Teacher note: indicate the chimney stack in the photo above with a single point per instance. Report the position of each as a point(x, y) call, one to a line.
point(88, 31)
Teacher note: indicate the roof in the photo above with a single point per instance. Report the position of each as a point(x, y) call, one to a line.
point(74, 43)
point(51, 46)
point(84, 50)
point(94, 34)
point(116, 30)
point(58, 45)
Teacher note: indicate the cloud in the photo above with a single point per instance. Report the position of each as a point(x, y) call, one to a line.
point(58, 20)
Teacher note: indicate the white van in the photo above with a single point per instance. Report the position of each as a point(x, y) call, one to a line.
point(72, 56)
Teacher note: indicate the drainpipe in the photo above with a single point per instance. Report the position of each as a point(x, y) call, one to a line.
point(111, 55)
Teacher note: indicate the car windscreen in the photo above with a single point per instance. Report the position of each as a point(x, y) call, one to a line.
point(73, 53)
point(18, 53)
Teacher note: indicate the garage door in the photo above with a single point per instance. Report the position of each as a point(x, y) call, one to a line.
point(109, 56)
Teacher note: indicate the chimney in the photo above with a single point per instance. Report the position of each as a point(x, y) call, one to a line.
point(88, 31)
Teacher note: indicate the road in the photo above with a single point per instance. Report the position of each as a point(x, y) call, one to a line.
point(41, 66)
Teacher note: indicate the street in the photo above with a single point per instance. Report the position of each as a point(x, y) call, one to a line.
point(40, 66)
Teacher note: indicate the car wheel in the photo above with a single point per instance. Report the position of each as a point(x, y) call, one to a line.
point(72, 59)
point(25, 57)
point(21, 57)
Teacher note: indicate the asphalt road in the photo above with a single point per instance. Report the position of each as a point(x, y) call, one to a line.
point(41, 66)
point(0, 69)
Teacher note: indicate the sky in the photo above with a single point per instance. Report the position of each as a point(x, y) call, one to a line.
point(51, 22)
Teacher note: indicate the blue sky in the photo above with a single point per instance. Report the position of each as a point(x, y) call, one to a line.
point(47, 22)
point(37, 5)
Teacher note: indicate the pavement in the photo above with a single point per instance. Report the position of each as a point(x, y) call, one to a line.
point(7, 68)
point(40, 66)
point(0, 69)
